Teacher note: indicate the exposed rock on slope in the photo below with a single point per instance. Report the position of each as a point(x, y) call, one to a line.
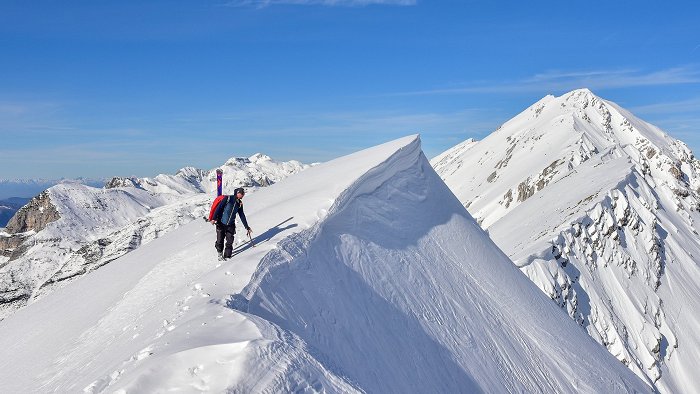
point(28, 220)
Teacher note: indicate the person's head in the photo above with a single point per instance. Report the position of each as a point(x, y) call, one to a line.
point(239, 192)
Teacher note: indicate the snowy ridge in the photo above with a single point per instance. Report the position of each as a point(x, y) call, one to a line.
point(599, 209)
point(337, 300)
point(419, 284)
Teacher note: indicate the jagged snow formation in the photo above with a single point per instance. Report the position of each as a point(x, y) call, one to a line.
point(71, 229)
point(600, 210)
point(368, 276)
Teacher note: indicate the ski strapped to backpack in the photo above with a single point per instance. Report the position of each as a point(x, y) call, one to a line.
point(214, 205)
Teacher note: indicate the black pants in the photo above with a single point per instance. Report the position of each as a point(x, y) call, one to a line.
point(227, 232)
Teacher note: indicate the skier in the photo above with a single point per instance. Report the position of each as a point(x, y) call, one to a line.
point(224, 218)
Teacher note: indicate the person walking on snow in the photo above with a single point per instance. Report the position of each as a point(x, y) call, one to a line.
point(225, 220)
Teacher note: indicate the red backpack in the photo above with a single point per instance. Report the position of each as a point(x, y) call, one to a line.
point(215, 204)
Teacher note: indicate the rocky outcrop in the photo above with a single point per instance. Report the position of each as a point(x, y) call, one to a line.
point(34, 216)
point(119, 181)
point(30, 219)
point(621, 231)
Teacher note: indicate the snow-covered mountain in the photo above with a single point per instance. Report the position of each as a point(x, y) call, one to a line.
point(600, 210)
point(367, 276)
point(71, 229)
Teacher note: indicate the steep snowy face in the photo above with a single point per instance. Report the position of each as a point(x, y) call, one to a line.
point(400, 279)
point(600, 210)
point(368, 276)
point(257, 170)
point(71, 229)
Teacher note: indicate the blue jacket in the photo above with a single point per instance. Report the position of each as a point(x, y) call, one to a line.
point(226, 212)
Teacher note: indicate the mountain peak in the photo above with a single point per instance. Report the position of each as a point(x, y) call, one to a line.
point(259, 157)
point(595, 204)
point(580, 96)
point(579, 92)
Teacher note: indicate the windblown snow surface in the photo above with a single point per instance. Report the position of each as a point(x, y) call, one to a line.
point(368, 275)
point(600, 210)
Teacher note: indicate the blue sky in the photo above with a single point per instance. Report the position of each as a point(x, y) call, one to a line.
point(101, 88)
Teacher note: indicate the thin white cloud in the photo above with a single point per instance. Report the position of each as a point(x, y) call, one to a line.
point(327, 3)
point(281, 122)
point(559, 81)
point(681, 106)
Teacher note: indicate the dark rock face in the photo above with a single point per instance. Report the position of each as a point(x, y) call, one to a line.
point(34, 216)
point(121, 182)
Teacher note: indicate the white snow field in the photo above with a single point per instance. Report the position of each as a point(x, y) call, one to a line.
point(600, 210)
point(368, 275)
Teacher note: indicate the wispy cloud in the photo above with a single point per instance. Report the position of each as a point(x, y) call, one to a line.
point(356, 129)
point(327, 3)
point(557, 81)
point(351, 123)
point(318, 136)
point(671, 107)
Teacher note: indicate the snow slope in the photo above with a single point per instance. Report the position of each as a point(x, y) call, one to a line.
point(600, 210)
point(71, 229)
point(368, 275)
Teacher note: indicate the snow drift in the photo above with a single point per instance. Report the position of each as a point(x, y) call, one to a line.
point(368, 275)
